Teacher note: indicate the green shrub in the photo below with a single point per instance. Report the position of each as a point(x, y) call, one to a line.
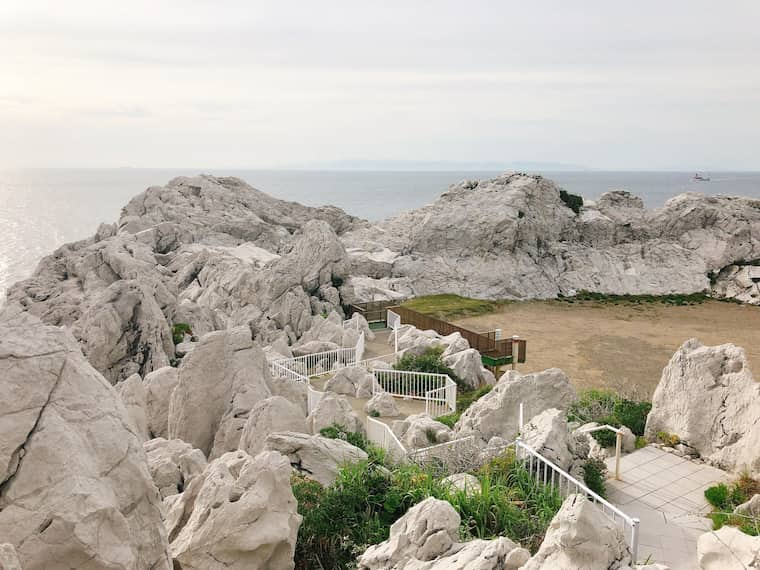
point(668, 439)
point(430, 361)
point(641, 441)
point(179, 330)
point(594, 475)
point(606, 407)
point(632, 414)
point(373, 413)
point(605, 437)
point(572, 201)
point(717, 496)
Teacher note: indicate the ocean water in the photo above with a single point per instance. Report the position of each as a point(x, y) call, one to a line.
point(42, 209)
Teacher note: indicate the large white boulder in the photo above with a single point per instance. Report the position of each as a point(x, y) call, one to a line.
point(465, 482)
point(469, 368)
point(427, 538)
point(580, 537)
point(75, 485)
point(239, 514)
point(8, 558)
point(219, 383)
point(269, 416)
point(317, 457)
point(728, 549)
point(708, 397)
point(383, 405)
point(333, 409)
point(314, 346)
point(352, 381)
point(496, 414)
point(549, 435)
point(132, 393)
point(159, 386)
point(420, 430)
point(750, 508)
point(172, 464)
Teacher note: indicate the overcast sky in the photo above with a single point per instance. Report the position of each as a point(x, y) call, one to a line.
point(211, 84)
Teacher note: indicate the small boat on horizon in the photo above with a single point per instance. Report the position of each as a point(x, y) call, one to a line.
point(699, 178)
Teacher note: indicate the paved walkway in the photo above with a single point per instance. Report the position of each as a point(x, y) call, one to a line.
point(667, 493)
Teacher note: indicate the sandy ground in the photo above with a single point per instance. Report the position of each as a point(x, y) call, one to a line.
point(621, 347)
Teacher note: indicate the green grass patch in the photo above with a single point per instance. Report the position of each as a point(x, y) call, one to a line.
point(606, 407)
point(465, 398)
point(725, 498)
point(179, 330)
point(676, 299)
point(342, 520)
point(449, 307)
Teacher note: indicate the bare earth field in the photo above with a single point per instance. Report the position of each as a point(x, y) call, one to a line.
point(622, 347)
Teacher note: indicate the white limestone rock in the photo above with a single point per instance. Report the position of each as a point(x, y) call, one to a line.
point(496, 414)
point(219, 382)
point(346, 380)
point(750, 508)
point(159, 386)
point(454, 343)
point(239, 514)
point(383, 405)
point(708, 397)
point(314, 456)
point(426, 538)
point(173, 464)
point(269, 416)
point(74, 479)
point(420, 430)
point(331, 410)
point(728, 549)
point(462, 482)
point(133, 396)
point(314, 346)
point(8, 558)
point(467, 365)
point(580, 537)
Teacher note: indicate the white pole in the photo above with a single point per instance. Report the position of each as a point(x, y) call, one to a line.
point(515, 349)
point(618, 445)
point(395, 343)
point(522, 418)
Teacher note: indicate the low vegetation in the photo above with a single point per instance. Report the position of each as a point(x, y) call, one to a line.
point(668, 439)
point(449, 307)
point(465, 398)
point(725, 498)
point(179, 330)
point(674, 299)
point(606, 407)
point(594, 476)
point(342, 520)
point(572, 201)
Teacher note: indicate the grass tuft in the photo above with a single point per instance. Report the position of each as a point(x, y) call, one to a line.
point(449, 306)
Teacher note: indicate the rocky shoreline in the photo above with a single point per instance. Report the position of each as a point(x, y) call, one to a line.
point(123, 446)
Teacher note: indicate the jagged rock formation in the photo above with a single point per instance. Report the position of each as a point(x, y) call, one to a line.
point(728, 549)
point(74, 484)
point(383, 405)
point(497, 413)
point(159, 386)
point(239, 514)
point(581, 537)
point(210, 414)
point(420, 430)
point(427, 537)
point(513, 237)
point(173, 464)
point(132, 393)
point(708, 397)
point(8, 558)
point(269, 416)
point(317, 457)
point(333, 409)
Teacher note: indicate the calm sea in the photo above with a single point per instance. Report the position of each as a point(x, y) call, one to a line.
point(42, 209)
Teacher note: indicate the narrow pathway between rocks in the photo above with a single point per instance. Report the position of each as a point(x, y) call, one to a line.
point(667, 493)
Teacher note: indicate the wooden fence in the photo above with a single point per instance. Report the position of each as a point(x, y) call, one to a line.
point(485, 343)
point(373, 311)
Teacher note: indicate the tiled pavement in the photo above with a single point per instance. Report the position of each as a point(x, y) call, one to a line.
point(667, 493)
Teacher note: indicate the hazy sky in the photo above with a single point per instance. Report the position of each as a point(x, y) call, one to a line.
point(606, 84)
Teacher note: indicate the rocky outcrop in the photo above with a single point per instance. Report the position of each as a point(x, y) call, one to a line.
point(514, 237)
point(469, 368)
point(382, 405)
point(708, 397)
point(173, 464)
point(8, 558)
point(427, 537)
point(420, 430)
point(728, 549)
point(74, 483)
point(465, 482)
point(132, 393)
point(497, 413)
point(159, 386)
point(218, 384)
point(269, 416)
point(239, 514)
point(750, 508)
point(581, 537)
point(352, 381)
point(548, 433)
point(331, 410)
point(314, 456)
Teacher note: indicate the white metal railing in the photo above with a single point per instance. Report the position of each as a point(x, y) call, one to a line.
point(439, 449)
point(313, 397)
point(351, 324)
point(547, 472)
point(317, 363)
point(382, 435)
point(437, 390)
point(359, 349)
point(280, 370)
point(618, 444)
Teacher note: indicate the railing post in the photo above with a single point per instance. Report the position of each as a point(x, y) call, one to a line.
point(635, 540)
point(515, 349)
point(521, 418)
point(618, 446)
